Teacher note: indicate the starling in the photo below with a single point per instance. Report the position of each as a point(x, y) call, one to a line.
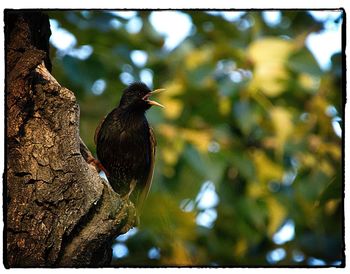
point(125, 144)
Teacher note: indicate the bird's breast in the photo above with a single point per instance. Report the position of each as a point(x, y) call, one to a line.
point(124, 149)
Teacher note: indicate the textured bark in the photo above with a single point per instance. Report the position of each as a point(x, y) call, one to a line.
point(59, 211)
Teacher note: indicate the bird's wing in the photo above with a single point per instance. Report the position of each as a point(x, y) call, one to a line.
point(98, 130)
point(148, 183)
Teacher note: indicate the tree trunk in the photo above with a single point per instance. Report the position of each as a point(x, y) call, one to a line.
point(59, 211)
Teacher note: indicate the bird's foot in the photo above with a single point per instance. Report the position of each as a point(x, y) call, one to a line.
point(85, 152)
point(97, 164)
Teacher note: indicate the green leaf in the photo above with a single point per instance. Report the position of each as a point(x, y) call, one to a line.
point(332, 191)
point(304, 62)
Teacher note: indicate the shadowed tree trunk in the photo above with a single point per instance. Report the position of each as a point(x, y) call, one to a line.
point(59, 211)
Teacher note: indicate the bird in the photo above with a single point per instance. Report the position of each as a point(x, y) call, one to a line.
point(126, 144)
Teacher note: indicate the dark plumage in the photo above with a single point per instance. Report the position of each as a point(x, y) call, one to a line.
point(125, 144)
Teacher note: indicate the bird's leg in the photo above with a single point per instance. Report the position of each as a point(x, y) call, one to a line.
point(132, 187)
point(85, 152)
point(97, 164)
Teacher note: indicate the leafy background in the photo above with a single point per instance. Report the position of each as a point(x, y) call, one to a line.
point(249, 161)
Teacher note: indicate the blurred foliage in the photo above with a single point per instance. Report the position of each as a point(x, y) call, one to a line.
point(249, 115)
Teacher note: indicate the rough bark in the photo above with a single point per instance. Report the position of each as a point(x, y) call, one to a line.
point(59, 211)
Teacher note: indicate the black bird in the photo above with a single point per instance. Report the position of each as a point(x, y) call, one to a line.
point(125, 144)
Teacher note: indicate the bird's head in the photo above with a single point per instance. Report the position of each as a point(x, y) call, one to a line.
point(137, 97)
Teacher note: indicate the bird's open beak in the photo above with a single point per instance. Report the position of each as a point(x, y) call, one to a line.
point(151, 102)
